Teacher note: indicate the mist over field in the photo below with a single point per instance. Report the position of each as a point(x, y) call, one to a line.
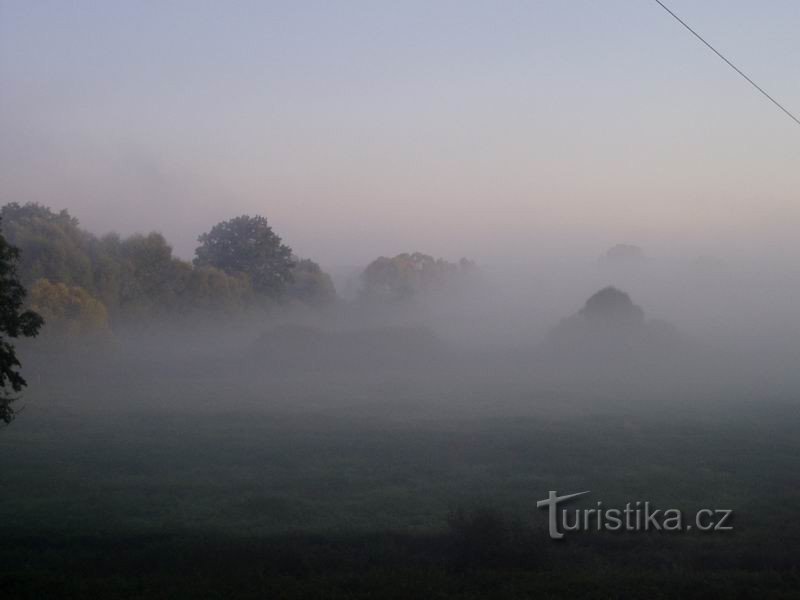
point(342, 299)
point(251, 416)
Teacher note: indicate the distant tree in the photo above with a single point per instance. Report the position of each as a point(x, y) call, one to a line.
point(52, 244)
point(248, 245)
point(406, 275)
point(68, 310)
point(609, 325)
point(154, 275)
point(612, 306)
point(310, 284)
point(14, 322)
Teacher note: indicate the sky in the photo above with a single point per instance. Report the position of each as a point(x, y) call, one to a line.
point(495, 130)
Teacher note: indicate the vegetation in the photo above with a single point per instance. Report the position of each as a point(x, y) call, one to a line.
point(14, 322)
point(407, 275)
point(310, 284)
point(349, 462)
point(247, 245)
point(85, 283)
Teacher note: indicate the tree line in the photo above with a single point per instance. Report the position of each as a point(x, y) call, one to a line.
point(54, 272)
point(84, 283)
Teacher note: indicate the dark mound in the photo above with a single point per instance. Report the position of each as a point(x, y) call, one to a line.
point(610, 326)
point(614, 307)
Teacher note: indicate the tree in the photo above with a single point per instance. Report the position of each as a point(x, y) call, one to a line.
point(310, 284)
point(52, 245)
point(156, 277)
point(69, 310)
point(14, 322)
point(248, 245)
point(612, 306)
point(209, 290)
point(407, 275)
point(609, 325)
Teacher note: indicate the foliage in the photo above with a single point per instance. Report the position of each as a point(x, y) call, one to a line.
point(248, 245)
point(406, 275)
point(51, 244)
point(14, 322)
point(612, 305)
point(68, 310)
point(138, 278)
point(310, 284)
point(211, 290)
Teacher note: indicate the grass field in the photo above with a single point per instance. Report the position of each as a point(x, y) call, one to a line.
point(167, 485)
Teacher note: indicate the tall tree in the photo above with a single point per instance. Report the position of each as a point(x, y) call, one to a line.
point(248, 245)
point(14, 322)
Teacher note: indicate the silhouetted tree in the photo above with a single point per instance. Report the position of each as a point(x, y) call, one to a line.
point(14, 322)
point(248, 245)
point(613, 306)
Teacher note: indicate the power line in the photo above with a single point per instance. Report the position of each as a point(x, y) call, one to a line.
point(730, 64)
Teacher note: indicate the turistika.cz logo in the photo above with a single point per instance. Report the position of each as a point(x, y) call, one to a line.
point(635, 516)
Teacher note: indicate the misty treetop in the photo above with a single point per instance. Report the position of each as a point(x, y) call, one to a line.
point(51, 244)
point(86, 283)
point(310, 284)
point(248, 245)
point(614, 306)
point(407, 275)
point(610, 326)
point(15, 322)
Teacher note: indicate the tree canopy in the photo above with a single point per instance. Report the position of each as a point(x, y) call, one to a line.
point(248, 245)
point(51, 244)
point(239, 264)
point(68, 310)
point(612, 306)
point(406, 275)
point(310, 284)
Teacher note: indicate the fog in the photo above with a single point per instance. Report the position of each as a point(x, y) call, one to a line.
point(322, 299)
point(711, 333)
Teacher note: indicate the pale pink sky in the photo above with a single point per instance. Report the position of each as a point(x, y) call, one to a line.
point(492, 130)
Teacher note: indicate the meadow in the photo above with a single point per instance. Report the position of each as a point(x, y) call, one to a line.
point(193, 478)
